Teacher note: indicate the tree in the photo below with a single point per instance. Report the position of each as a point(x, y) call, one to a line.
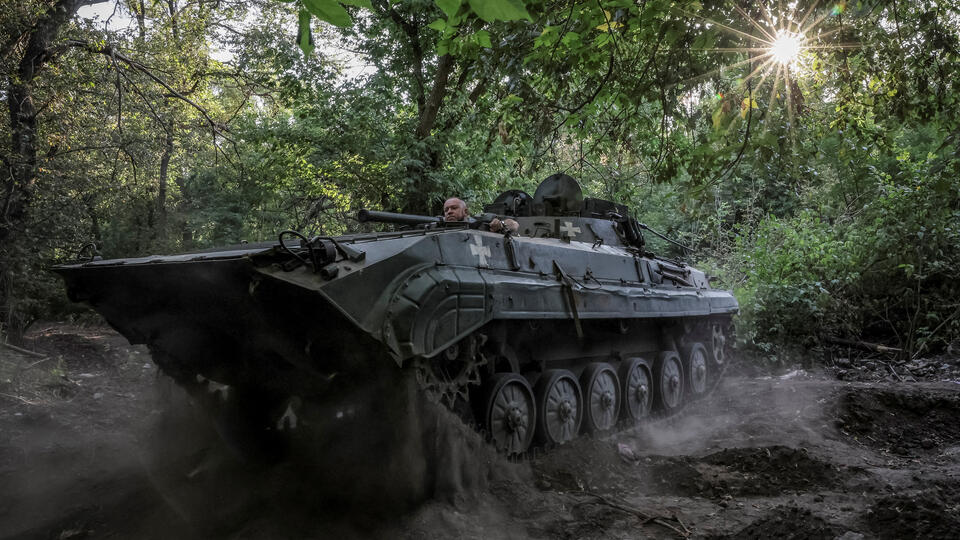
point(26, 52)
point(63, 158)
point(672, 108)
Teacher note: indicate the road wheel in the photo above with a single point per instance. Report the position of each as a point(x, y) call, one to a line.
point(601, 397)
point(509, 413)
point(696, 368)
point(559, 407)
point(637, 390)
point(668, 381)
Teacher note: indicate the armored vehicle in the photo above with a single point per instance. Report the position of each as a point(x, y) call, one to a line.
point(567, 325)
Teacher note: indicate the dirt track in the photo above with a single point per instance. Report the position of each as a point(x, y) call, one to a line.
point(100, 447)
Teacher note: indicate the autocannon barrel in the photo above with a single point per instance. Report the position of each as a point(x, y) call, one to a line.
point(390, 217)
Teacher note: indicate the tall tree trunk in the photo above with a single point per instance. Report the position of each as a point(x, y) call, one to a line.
point(172, 9)
point(140, 11)
point(428, 114)
point(21, 179)
point(21, 175)
point(186, 233)
point(161, 230)
point(418, 198)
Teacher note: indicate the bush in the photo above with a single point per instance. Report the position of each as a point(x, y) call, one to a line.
point(885, 274)
point(794, 270)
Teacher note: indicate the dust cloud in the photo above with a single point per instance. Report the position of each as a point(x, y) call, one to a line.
point(354, 468)
point(796, 411)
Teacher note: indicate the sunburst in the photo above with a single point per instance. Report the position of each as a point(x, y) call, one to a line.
point(778, 42)
point(785, 49)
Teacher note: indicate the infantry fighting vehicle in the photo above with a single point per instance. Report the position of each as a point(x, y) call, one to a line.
point(568, 325)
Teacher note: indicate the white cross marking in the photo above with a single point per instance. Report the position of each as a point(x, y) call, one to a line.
point(569, 229)
point(480, 250)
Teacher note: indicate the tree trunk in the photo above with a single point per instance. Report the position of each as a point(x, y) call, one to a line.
point(21, 173)
point(141, 13)
point(20, 181)
point(186, 233)
point(161, 230)
point(172, 8)
point(417, 199)
point(428, 115)
point(95, 230)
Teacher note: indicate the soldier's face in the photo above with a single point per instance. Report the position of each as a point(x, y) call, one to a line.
point(454, 210)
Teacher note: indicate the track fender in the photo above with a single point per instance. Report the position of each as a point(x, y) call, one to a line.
point(434, 308)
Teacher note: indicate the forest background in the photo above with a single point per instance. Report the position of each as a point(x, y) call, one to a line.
point(823, 189)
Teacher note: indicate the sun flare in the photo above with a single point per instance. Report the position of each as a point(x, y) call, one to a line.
point(768, 41)
point(786, 47)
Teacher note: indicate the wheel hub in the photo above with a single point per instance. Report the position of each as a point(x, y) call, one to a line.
point(452, 352)
point(565, 411)
point(606, 399)
point(674, 382)
point(515, 419)
point(641, 394)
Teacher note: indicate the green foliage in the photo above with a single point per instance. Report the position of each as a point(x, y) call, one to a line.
point(886, 274)
point(827, 201)
point(457, 12)
point(499, 10)
point(328, 10)
point(794, 271)
point(304, 34)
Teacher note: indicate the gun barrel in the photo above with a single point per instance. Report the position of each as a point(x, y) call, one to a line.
point(364, 216)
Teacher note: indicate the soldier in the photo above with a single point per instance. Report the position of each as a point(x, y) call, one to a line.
point(454, 209)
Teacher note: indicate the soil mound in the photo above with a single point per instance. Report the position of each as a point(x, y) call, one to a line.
point(759, 471)
point(930, 514)
point(902, 422)
point(772, 469)
point(789, 522)
point(89, 351)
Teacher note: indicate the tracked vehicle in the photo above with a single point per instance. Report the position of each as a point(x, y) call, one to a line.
point(565, 326)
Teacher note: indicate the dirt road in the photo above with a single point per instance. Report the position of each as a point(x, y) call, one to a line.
point(93, 444)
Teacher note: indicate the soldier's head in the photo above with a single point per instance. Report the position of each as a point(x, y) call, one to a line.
point(454, 209)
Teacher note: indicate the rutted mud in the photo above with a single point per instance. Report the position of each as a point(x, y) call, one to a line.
point(749, 472)
point(902, 421)
point(93, 444)
point(927, 514)
point(788, 522)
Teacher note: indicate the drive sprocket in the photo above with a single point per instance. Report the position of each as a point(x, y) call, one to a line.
point(446, 377)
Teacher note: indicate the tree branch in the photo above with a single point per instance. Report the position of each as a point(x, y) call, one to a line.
point(428, 116)
point(413, 35)
point(596, 92)
point(111, 52)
